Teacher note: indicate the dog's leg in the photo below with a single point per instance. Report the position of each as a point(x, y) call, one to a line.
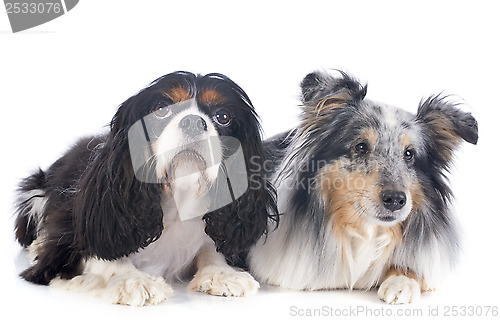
point(215, 277)
point(119, 282)
point(399, 287)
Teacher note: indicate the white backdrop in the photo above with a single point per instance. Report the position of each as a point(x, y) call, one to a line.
point(64, 79)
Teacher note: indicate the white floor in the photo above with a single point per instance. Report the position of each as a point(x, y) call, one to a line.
point(460, 295)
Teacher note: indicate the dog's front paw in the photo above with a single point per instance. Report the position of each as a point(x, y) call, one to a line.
point(399, 289)
point(224, 282)
point(142, 290)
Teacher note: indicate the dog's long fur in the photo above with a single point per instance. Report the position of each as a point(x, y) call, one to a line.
point(88, 213)
point(332, 175)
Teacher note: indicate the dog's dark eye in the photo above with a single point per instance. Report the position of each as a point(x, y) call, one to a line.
point(361, 148)
point(222, 117)
point(409, 155)
point(162, 110)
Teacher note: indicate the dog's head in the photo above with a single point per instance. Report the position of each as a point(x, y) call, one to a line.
point(370, 161)
point(189, 139)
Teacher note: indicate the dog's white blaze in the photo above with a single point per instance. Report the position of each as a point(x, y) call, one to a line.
point(172, 139)
point(390, 116)
point(211, 151)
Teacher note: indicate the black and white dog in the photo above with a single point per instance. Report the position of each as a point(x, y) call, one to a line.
point(363, 193)
point(101, 221)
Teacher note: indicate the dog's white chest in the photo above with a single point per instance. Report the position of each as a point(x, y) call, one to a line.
point(365, 257)
point(174, 252)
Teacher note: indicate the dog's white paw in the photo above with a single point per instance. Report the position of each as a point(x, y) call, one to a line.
point(224, 282)
point(134, 290)
point(141, 290)
point(399, 289)
point(86, 282)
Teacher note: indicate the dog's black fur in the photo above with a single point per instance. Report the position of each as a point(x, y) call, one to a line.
point(96, 207)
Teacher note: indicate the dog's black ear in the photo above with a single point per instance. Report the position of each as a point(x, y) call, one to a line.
point(323, 88)
point(237, 226)
point(116, 213)
point(446, 125)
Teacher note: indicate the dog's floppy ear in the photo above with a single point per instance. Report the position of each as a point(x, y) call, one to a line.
point(117, 214)
point(446, 125)
point(322, 87)
point(237, 226)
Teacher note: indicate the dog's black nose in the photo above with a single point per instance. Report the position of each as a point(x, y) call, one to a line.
point(393, 200)
point(193, 125)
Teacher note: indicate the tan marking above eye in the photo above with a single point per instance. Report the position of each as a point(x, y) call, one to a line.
point(211, 97)
point(178, 94)
point(406, 141)
point(370, 136)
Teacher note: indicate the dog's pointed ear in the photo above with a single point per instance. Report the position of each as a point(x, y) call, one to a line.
point(325, 97)
point(117, 213)
point(323, 88)
point(446, 125)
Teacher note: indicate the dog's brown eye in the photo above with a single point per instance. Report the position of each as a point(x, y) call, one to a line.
point(409, 155)
point(361, 148)
point(222, 117)
point(162, 111)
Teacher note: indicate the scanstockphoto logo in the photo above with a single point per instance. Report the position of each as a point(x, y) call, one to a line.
point(24, 15)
